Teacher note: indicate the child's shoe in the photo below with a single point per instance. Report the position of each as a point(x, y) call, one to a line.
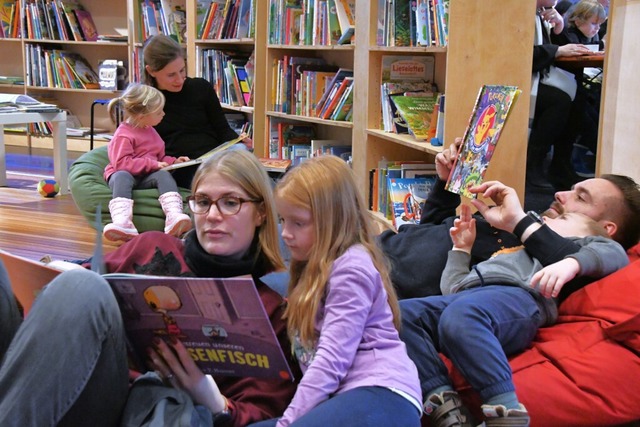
point(122, 228)
point(446, 410)
point(176, 222)
point(499, 415)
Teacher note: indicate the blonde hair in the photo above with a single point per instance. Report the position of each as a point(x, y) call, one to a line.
point(136, 101)
point(326, 186)
point(583, 11)
point(245, 170)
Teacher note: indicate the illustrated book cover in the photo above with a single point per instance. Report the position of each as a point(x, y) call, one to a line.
point(210, 153)
point(407, 197)
point(489, 115)
point(221, 322)
point(416, 112)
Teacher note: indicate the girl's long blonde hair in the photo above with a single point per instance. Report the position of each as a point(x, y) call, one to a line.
point(326, 186)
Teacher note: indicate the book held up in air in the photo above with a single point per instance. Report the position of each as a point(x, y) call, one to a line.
point(489, 115)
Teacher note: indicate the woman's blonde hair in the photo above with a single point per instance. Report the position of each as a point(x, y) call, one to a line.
point(136, 101)
point(583, 11)
point(243, 168)
point(159, 51)
point(326, 186)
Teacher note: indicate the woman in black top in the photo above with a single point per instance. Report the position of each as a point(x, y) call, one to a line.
point(194, 122)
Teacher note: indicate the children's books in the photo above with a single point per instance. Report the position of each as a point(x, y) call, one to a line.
point(417, 113)
point(221, 322)
point(202, 158)
point(489, 115)
point(407, 197)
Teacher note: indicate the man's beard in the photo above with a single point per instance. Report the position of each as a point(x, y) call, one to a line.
point(555, 210)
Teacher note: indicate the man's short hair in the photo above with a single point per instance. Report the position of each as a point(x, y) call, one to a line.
point(628, 216)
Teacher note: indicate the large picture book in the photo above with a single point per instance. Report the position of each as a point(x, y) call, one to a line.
point(488, 117)
point(221, 322)
point(206, 155)
point(416, 112)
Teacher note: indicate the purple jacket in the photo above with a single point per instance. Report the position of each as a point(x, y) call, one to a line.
point(358, 344)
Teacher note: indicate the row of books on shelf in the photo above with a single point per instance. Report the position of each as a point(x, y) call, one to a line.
point(299, 141)
point(167, 17)
point(412, 23)
point(312, 87)
point(225, 19)
point(231, 76)
point(58, 20)
point(58, 69)
point(311, 22)
point(399, 189)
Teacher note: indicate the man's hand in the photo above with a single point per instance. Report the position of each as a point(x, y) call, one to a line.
point(573, 49)
point(553, 277)
point(508, 210)
point(446, 158)
point(554, 19)
point(463, 232)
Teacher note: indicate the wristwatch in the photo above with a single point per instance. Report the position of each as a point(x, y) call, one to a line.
point(531, 218)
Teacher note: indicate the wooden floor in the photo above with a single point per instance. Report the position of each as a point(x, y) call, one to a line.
point(33, 226)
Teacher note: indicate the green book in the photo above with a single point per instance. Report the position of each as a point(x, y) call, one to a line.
point(417, 112)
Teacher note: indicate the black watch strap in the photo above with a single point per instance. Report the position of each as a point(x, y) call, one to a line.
point(531, 218)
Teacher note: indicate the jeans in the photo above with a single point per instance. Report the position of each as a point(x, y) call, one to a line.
point(359, 407)
point(477, 329)
point(67, 363)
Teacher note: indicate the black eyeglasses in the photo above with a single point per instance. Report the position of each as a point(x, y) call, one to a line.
point(227, 205)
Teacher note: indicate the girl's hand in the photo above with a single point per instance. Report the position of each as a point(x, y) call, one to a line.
point(248, 142)
point(553, 277)
point(463, 232)
point(162, 165)
point(176, 365)
point(182, 159)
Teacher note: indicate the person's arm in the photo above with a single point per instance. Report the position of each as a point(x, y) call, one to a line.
point(349, 299)
point(540, 241)
point(598, 257)
point(442, 204)
point(122, 156)
point(463, 235)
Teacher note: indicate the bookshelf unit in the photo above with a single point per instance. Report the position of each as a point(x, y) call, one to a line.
point(485, 46)
point(107, 16)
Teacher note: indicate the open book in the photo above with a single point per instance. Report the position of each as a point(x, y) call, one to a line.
point(202, 158)
point(221, 322)
point(490, 113)
point(20, 102)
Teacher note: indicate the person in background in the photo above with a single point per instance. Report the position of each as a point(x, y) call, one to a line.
point(76, 323)
point(194, 122)
point(418, 253)
point(493, 310)
point(550, 105)
point(136, 158)
point(582, 22)
point(341, 312)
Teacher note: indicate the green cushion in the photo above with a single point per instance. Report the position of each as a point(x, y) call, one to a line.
point(89, 189)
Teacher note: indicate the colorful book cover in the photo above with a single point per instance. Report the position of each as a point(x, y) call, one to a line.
point(87, 26)
point(221, 322)
point(417, 113)
point(407, 197)
point(82, 70)
point(488, 117)
point(402, 23)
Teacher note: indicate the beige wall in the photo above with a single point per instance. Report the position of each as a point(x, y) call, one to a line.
point(619, 146)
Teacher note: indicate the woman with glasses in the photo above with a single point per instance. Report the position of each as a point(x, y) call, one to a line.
point(67, 363)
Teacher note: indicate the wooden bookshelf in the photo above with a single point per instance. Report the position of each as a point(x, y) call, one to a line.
point(107, 16)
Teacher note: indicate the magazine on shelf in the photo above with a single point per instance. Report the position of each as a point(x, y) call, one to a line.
point(202, 158)
point(489, 114)
point(221, 322)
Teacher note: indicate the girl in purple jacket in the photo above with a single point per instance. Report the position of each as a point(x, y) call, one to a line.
point(342, 313)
